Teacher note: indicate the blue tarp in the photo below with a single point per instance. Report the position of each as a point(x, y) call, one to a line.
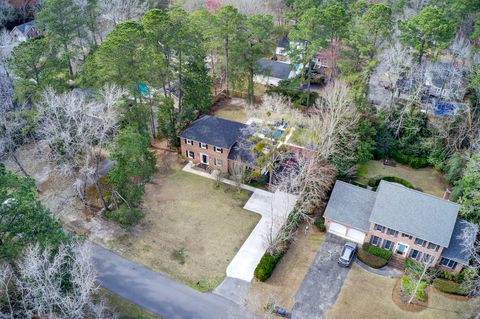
point(442, 108)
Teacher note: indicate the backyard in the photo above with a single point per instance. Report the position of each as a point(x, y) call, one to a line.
point(231, 109)
point(191, 230)
point(284, 283)
point(426, 179)
point(365, 295)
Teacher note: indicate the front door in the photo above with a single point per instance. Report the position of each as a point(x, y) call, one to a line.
point(401, 249)
point(204, 159)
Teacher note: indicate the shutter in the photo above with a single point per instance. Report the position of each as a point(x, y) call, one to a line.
point(193, 155)
point(199, 144)
point(186, 153)
point(221, 150)
point(185, 141)
point(206, 146)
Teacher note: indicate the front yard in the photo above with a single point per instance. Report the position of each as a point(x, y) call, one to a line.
point(191, 230)
point(426, 179)
point(365, 295)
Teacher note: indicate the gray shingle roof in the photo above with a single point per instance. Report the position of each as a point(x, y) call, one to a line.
point(455, 251)
point(25, 26)
point(213, 131)
point(415, 213)
point(350, 205)
point(246, 156)
point(283, 43)
point(279, 70)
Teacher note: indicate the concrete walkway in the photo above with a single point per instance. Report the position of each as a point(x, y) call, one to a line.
point(385, 271)
point(157, 293)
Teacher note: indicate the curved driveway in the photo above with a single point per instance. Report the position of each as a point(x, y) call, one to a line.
point(157, 293)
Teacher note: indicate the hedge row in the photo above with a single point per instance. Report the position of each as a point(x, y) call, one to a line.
point(298, 98)
point(450, 287)
point(412, 161)
point(320, 223)
point(373, 182)
point(371, 260)
point(376, 251)
point(266, 266)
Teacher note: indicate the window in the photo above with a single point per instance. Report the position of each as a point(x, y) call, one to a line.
point(189, 142)
point(448, 263)
point(427, 258)
point(190, 154)
point(374, 240)
point(419, 242)
point(203, 145)
point(432, 246)
point(407, 235)
point(392, 232)
point(415, 254)
point(218, 149)
point(387, 244)
point(437, 90)
point(218, 162)
point(379, 228)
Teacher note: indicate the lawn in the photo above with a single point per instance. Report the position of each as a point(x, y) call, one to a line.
point(231, 109)
point(426, 179)
point(365, 295)
point(288, 275)
point(125, 309)
point(191, 230)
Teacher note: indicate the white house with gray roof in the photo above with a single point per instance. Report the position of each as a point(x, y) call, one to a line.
point(409, 223)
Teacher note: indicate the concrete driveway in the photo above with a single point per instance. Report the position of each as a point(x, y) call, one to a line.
point(323, 282)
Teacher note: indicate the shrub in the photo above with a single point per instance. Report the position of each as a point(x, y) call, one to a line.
point(125, 216)
point(371, 260)
point(408, 285)
point(412, 161)
point(298, 98)
point(320, 223)
point(450, 287)
point(379, 252)
point(398, 180)
point(266, 266)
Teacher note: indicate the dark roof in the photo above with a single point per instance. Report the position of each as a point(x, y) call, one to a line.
point(276, 69)
point(213, 131)
point(246, 155)
point(415, 213)
point(283, 43)
point(350, 205)
point(456, 251)
point(25, 26)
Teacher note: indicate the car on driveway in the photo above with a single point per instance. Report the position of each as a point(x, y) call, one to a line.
point(348, 254)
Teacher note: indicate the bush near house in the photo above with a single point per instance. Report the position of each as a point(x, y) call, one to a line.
point(408, 285)
point(412, 161)
point(376, 251)
point(375, 181)
point(371, 260)
point(266, 266)
point(320, 223)
point(450, 287)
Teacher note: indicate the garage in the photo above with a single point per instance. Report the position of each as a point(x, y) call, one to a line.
point(346, 232)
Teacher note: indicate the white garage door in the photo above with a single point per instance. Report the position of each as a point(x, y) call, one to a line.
point(355, 235)
point(337, 229)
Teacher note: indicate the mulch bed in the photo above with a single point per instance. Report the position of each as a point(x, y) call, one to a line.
point(401, 300)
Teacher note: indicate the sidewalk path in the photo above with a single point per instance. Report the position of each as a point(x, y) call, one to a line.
point(157, 293)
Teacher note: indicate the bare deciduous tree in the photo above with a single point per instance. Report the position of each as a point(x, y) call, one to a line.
point(37, 287)
point(420, 272)
point(77, 130)
point(117, 11)
point(471, 245)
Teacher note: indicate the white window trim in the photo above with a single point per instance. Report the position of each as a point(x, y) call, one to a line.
point(201, 158)
point(203, 145)
point(191, 156)
point(218, 149)
point(216, 162)
point(420, 245)
point(189, 142)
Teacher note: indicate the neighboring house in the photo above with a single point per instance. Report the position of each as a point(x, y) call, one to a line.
point(409, 223)
point(26, 31)
point(282, 47)
point(211, 142)
point(272, 72)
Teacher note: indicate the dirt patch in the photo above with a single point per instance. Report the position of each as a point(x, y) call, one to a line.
point(288, 275)
point(230, 109)
point(365, 295)
point(191, 230)
point(426, 179)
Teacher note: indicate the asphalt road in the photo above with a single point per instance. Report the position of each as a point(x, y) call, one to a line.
point(158, 293)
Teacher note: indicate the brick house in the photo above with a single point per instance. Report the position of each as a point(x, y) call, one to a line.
point(409, 223)
point(212, 143)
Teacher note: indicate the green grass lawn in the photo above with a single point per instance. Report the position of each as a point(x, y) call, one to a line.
point(426, 179)
point(125, 309)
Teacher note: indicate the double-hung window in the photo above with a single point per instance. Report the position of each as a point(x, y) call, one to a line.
point(448, 263)
point(407, 235)
point(188, 142)
point(218, 162)
point(203, 145)
point(218, 149)
point(374, 240)
point(415, 254)
point(388, 245)
point(419, 242)
point(392, 232)
point(432, 246)
point(190, 154)
point(379, 228)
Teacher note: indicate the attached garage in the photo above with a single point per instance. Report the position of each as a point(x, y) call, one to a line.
point(346, 232)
